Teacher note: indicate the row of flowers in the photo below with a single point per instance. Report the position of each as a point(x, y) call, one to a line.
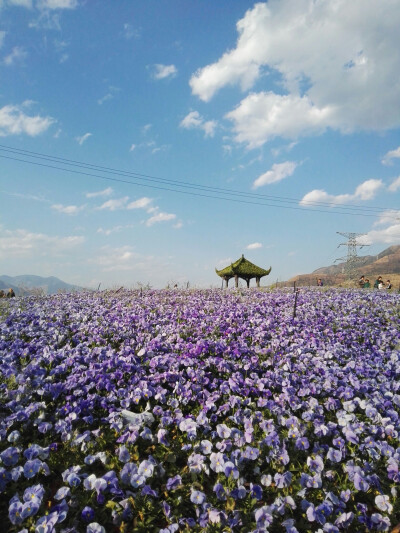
point(200, 410)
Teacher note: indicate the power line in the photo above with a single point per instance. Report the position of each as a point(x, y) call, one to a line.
point(178, 186)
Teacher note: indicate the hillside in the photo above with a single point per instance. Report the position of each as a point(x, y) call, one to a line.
point(28, 283)
point(385, 264)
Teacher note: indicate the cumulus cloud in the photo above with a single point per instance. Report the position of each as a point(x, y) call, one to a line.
point(22, 243)
point(83, 138)
point(164, 71)
point(334, 61)
point(16, 55)
point(395, 185)
point(114, 204)
point(278, 172)
point(68, 209)
point(194, 120)
point(254, 246)
point(14, 121)
point(389, 156)
point(57, 4)
point(115, 229)
point(160, 217)
point(104, 192)
point(385, 235)
point(123, 258)
point(141, 203)
point(365, 191)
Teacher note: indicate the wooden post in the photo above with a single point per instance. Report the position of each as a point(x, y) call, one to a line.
point(226, 283)
point(236, 281)
point(248, 283)
point(258, 282)
point(295, 303)
point(294, 286)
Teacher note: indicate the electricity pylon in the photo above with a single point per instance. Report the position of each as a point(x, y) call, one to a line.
point(352, 258)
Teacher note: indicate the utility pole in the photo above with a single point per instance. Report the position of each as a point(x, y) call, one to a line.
point(352, 257)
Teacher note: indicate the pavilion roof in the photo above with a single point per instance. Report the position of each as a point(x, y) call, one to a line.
point(244, 269)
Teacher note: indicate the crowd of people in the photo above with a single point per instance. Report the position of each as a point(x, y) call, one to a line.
point(364, 283)
point(9, 294)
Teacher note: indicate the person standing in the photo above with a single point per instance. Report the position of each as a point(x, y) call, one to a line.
point(367, 284)
point(361, 282)
point(378, 281)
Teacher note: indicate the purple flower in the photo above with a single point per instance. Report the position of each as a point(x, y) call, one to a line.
point(174, 482)
point(251, 453)
point(10, 456)
point(383, 503)
point(15, 512)
point(94, 527)
point(263, 517)
point(195, 462)
point(360, 483)
point(217, 461)
point(256, 491)
point(31, 468)
point(283, 480)
point(87, 514)
point(197, 497)
point(63, 492)
point(302, 443)
point(146, 469)
point(148, 491)
point(123, 454)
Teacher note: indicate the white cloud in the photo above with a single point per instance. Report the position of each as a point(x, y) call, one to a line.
point(365, 191)
point(113, 205)
point(133, 146)
point(68, 209)
point(388, 217)
point(20, 3)
point(129, 31)
point(13, 121)
point(178, 225)
point(394, 185)
point(164, 71)
point(263, 116)
point(57, 4)
point(83, 138)
point(194, 120)
point(112, 91)
point(115, 229)
point(104, 192)
point(23, 243)
point(17, 54)
point(254, 246)
point(160, 217)
point(388, 235)
point(278, 172)
point(141, 203)
point(337, 63)
point(392, 154)
point(124, 258)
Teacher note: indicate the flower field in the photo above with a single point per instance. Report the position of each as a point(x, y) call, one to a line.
point(200, 411)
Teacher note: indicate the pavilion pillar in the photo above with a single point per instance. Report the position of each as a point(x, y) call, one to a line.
point(248, 282)
point(258, 282)
point(236, 281)
point(226, 283)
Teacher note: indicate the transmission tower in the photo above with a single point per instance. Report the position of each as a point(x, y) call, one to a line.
point(352, 258)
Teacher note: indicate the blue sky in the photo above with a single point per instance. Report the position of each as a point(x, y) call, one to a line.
point(221, 129)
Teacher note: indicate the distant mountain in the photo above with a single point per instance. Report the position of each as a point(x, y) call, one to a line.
point(385, 264)
point(28, 283)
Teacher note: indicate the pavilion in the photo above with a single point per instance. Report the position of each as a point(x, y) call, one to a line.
point(243, 269)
